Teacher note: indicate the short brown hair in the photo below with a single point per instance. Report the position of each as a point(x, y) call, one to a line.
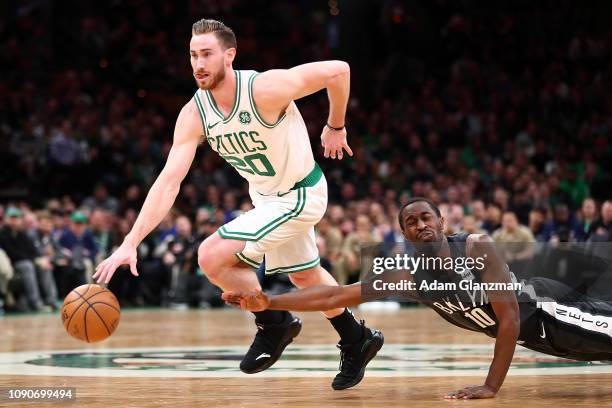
point(224, 34)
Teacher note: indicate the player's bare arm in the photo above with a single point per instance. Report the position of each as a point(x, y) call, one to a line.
point(162, 194)
point(506, 309)
point(273, 91)
point(314, 298)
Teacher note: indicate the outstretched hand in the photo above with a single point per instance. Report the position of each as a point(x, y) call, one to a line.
point(250, 301)
point(124, 255)
point(475, 392)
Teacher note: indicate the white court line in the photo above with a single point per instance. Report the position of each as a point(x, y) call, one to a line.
point(394, 360)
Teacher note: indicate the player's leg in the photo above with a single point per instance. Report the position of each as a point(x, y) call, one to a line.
point(358, 344)
point(228, 259)
point(217, 259)
point(577, 330)
point(223, 262)
point(567, 323)
point(313, 277)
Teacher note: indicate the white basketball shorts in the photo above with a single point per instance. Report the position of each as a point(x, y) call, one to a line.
point(281, 228)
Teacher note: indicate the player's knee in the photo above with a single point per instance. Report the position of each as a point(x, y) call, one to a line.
point(209, 264)
point(216, 255)
point(304, 278)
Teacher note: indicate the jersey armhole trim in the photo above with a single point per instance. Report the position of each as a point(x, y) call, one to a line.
point(254, 108)
point(198, 103)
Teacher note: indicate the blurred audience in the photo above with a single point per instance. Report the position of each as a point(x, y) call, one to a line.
point(503, 120)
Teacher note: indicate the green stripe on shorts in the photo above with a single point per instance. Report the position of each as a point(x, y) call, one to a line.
point(295, 268)
point(247, 260)
point(269, 227)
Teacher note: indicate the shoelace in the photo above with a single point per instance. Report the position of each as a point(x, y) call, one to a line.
point(344, 352)
point(345, 357)
point(262, 343)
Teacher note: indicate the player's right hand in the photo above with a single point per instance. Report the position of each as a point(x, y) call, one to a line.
point(124, 255)
point(475, 392)
point(250, 301)
point(334, 142)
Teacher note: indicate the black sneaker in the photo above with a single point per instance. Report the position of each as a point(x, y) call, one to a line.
point(269, 343)
point(354, 358)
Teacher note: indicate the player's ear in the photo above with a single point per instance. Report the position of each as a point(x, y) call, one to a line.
point(230, 54)
point(442, 221)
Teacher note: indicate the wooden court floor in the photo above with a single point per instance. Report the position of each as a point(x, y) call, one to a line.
point(176, 353)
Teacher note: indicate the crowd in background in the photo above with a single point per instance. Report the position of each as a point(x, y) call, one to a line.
point(498, 113)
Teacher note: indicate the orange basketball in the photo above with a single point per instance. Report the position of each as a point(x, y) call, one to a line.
point(90, 313)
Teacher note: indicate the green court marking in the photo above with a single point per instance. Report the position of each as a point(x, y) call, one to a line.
point(394, 360)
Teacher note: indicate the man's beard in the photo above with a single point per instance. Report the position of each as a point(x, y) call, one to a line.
point(214, 80)
point(427, 248)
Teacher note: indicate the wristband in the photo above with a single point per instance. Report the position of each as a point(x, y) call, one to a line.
point(334, 128)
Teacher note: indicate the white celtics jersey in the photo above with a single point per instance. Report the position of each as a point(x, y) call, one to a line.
point(272, 157)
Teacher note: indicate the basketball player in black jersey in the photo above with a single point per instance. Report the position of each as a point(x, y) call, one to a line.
point(543, 315)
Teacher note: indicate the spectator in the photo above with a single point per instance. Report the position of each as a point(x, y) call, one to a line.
point(101, 199)
point(6, 274)
point(322, 247)
point(349, 266)
point(540, 230)
point(132, 201)
point(455, 219)
point(517, 242)
point(230, 206)
point(48, 248)
point(23, 254)
point(588, 216)
point(512, 231)
point(470, 225)
point(601, 230)
point(333, 240)
point(167, 227)
point(394, 241)
point(501, 198)
point(478, 211)
point(58, 217)
point(100, 228)
point(493, 219)
point(179, 256)
point(79, 247)
point(563, 222)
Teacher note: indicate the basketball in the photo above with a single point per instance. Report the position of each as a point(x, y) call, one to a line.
point(90, 313)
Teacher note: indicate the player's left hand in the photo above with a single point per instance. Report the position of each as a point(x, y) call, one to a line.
point(334, 142)
point(475, 392)
point(250, 301)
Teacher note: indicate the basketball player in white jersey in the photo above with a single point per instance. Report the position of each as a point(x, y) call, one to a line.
point(251, 121)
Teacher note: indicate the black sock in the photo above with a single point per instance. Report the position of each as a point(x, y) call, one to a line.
point(348, 327)
point(270, 316)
